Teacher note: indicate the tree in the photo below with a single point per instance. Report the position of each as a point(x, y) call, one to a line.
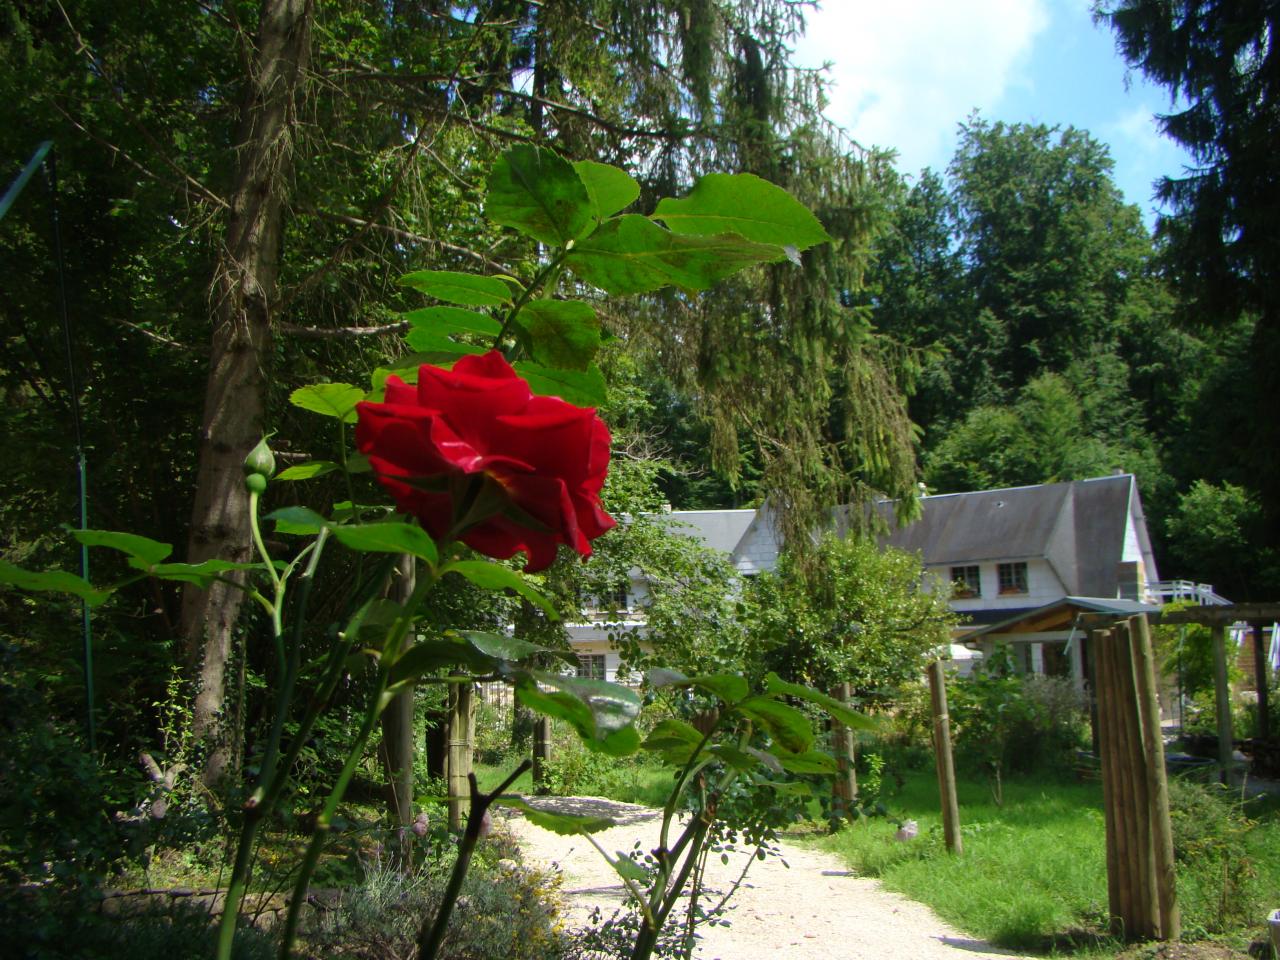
point(1048, 435)
point(1221, 233)
point(862, 616)
point(1214, 535)
point(1049, 245)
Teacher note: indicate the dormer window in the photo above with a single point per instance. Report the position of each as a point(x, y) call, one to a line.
point(1012, 578)
point(966, 582)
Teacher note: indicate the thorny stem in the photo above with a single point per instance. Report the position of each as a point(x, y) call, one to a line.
point(429, 939)
point(377, 703)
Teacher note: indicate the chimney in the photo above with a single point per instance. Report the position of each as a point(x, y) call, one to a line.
point(1129, 580)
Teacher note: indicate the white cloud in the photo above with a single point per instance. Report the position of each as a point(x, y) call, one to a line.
point(906, 72)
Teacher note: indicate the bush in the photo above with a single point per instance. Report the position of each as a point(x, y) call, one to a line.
point(1006, 723)
point(506, 910)
point(1215, 845)
point(56, 924)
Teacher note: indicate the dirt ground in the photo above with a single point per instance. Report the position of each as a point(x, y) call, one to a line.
point(802, 906)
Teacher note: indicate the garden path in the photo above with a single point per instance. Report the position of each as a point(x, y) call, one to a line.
point(812, 908)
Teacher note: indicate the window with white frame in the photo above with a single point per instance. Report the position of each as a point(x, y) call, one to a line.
point(966, 581)
point(591, 666)
point(1012, 577)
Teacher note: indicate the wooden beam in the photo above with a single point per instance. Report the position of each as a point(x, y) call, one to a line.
point(1261, 670)
point(1222, 700)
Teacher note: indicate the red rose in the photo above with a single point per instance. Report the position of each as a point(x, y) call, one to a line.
point(481, 422)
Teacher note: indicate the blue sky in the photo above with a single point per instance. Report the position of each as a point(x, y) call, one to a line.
point(907, 72)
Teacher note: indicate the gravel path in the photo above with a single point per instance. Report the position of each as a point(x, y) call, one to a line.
point(815, 910)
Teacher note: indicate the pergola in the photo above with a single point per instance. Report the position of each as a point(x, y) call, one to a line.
point(1258, 616)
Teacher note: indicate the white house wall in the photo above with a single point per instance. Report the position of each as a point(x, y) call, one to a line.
point(1043, 586)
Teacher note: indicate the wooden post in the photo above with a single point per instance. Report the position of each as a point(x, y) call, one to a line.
point(541, 753)
point(460, 719)
point(1260, 671)
point(1222, 688)
point(397, 722)
point(845, 787)
point(1104, 730)
point(1137, 817)
point(1169, 925)
point(945, 764)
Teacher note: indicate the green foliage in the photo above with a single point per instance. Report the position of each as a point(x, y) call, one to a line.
point(1216, 535)
point(1004, 722)
point(49, 925)
point(506, 910)
point(1216, 846)
point(859, 615)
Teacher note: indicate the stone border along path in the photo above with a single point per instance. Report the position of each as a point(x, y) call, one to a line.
point(813, 910)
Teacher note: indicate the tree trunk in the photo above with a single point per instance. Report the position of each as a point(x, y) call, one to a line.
point(243, 292)
point(397, 725)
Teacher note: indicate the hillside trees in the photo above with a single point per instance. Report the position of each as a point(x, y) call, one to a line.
point(1219, 63)
point(274, 167)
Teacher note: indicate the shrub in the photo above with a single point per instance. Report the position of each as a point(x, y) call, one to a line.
point(1214, 844)
point(505, 910)
point(1003, 722)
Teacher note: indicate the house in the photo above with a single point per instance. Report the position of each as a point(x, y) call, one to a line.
point(1023, 563)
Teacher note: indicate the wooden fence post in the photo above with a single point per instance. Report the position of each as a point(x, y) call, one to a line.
point(1170, 920)
point(1222, 691)
point(945, 763)
point(1140, 868)
point(845, 787)
point(541, 753)
point(1261, 669)
point(460, 725)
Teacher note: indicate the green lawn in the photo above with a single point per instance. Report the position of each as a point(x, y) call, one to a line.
point(1033, 870)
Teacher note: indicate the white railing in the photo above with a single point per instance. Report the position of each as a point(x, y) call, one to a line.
point(1170, 591)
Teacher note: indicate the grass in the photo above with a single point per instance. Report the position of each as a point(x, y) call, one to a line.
point(1033, 871)
point(627, 781)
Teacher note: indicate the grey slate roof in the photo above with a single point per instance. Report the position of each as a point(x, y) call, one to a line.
point(719, 529)
point(1078, 526)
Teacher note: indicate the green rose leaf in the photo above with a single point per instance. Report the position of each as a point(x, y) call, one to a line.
point(586, 388)
point(466, 289)
point(493, 576)
point(329, 400)
point(775, 686)
point(431, 656)
point(562, 333)
point(729, 687)
point(299, 521)
point(610, 188)
point(738, 759)
point(744, 204)
point(601, 712)
point(447, 320)
point(432, 347)
point(811, 761)
point(501, 647)
point(660, 677)
point(143, 552)
point(201, 574)
point(632, 254)
point(307, 471)
point(564, 824)
point(540, 194)
point(387, 537)
point(52, 581)
point(675, 739)
point(788, 725)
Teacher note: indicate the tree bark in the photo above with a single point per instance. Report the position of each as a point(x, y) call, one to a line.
point(397, 726)
point(243, 292)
